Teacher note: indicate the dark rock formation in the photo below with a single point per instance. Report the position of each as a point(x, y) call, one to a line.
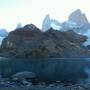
point(29, 42)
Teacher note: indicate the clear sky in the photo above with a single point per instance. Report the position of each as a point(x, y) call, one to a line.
point(34, 11)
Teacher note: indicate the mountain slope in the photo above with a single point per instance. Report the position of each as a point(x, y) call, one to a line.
point(30, 42)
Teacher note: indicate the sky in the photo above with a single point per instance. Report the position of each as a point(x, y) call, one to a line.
point(34, 11)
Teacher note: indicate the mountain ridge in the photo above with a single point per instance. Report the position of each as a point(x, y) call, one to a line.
point(27, 43)
point(76, 20)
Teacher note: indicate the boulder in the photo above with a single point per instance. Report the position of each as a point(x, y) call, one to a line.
point(24, 75)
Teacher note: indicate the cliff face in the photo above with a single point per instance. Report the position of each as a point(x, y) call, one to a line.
point(29, 42)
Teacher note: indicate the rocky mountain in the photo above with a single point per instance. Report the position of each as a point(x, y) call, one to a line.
point(30, 41)
point(78, 17)
point(46, 23)
point(50, 23)
point(77, 21)
point(19, 25)
point(3, 34)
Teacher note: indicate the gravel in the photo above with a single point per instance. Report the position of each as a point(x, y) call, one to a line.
point(7, 84)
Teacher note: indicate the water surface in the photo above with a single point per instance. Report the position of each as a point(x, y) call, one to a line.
point(47, 69)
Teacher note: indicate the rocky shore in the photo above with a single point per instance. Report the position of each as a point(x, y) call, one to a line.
point(7, 84)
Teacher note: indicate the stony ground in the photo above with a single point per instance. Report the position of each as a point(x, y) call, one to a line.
point(28, 85)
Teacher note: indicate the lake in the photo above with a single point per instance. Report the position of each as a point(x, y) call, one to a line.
point(47, 69)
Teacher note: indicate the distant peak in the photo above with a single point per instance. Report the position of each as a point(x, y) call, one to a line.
point(46, 23)
point(78, 17)
point(18, 26)
point(78, 10)
point(47, 16)
point(84, 14)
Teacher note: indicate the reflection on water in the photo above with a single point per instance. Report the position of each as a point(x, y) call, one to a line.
point(48, 69)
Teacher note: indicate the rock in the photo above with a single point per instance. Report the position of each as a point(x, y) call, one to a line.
point(24, 82)
point(23, 75)
point(40, 53)
point(31, 27)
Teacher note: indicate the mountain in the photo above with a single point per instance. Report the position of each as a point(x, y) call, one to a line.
point(31, 42)
point(78, 17)
point(19, 25)
point(50, 23)
point(77, 21)
point(1, 39)
point(46, 23)
point(3, 34)
point(30, 27)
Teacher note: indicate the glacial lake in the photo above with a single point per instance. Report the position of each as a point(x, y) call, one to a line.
point(48, 69)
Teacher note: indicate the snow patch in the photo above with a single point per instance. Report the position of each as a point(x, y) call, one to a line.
point(56, 27)
point(88, 38)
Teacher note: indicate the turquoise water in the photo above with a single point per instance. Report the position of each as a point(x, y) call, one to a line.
point(47, 69)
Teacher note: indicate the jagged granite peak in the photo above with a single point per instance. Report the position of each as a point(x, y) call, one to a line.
point(84, 20)
point(46, 23)
point(19, 25)
point(78, 17)
point(50, 23)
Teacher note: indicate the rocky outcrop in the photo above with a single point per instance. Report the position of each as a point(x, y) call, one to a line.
point(24, 75)
point(29, 42)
